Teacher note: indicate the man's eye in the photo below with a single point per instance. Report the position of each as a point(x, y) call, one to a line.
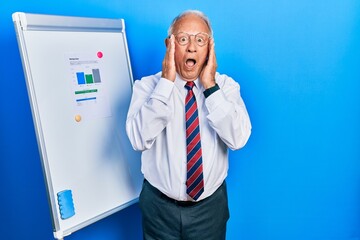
point(183, 39)
point(200, 40)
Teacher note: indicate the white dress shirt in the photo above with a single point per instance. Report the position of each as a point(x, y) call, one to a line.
point(155, 125)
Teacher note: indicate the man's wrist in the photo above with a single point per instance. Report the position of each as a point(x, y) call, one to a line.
point(211, 90)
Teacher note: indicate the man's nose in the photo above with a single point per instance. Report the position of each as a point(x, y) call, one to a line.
point(191, 45)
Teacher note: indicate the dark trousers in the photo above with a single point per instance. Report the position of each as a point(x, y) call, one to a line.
point(166, 219)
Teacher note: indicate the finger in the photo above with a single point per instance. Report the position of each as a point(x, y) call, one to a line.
point(167, 47)
point(166, 57)
point(168, 50)
point(168, 65)
point(212, 57)
point(172, 47)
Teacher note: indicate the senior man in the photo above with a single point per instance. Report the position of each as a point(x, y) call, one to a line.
point(184, 119)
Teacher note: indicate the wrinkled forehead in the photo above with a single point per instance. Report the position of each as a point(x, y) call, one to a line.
point(191, 24)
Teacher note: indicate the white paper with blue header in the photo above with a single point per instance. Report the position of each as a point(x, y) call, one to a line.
point(79, 81)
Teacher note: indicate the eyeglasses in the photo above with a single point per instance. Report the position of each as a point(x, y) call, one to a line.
point(183, 38)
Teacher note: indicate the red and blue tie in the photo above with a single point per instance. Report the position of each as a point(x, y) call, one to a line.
point(195, 180)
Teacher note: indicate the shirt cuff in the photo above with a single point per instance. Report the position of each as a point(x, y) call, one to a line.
point(211, 90)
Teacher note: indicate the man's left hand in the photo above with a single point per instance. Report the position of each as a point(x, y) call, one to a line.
point(207, 75)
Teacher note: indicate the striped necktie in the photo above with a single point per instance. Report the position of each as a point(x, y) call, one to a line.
point(195, 181)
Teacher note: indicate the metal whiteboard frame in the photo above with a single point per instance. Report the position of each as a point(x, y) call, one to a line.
point(41, 22)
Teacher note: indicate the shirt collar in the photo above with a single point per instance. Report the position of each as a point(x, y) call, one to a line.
point(180, 84)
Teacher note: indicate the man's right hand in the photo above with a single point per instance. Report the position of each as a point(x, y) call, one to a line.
point(168, 64)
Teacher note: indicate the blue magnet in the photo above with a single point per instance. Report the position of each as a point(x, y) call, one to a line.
point(66, 204)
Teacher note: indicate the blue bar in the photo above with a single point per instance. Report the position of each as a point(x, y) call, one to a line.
point(80, 77)
point(85, 99)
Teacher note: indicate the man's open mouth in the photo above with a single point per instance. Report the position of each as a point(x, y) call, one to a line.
point(190, 62)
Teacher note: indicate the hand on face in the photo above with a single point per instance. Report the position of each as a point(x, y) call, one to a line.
point(168, 64)
point(207, 75)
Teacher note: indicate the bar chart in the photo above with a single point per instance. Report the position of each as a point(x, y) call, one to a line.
point(88, 78)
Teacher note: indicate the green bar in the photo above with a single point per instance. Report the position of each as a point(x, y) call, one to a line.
point(86, 91)
point(89, 78)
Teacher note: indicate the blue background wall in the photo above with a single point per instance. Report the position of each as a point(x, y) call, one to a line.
point(298, 65)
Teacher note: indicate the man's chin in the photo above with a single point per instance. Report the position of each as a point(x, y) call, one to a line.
point(190, 75)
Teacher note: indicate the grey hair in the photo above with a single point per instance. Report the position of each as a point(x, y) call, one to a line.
point(189, 12)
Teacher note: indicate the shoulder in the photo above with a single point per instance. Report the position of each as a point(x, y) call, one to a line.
point(224, 81)
point(148, 82)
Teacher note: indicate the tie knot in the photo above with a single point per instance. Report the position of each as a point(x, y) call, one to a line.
point(189, 85)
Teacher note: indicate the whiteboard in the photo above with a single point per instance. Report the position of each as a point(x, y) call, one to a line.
point(79, 82)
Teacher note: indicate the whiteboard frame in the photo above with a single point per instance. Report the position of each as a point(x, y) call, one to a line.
point(41, 22)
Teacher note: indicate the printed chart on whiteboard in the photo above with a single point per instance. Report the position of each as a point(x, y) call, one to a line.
point(90, 98)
